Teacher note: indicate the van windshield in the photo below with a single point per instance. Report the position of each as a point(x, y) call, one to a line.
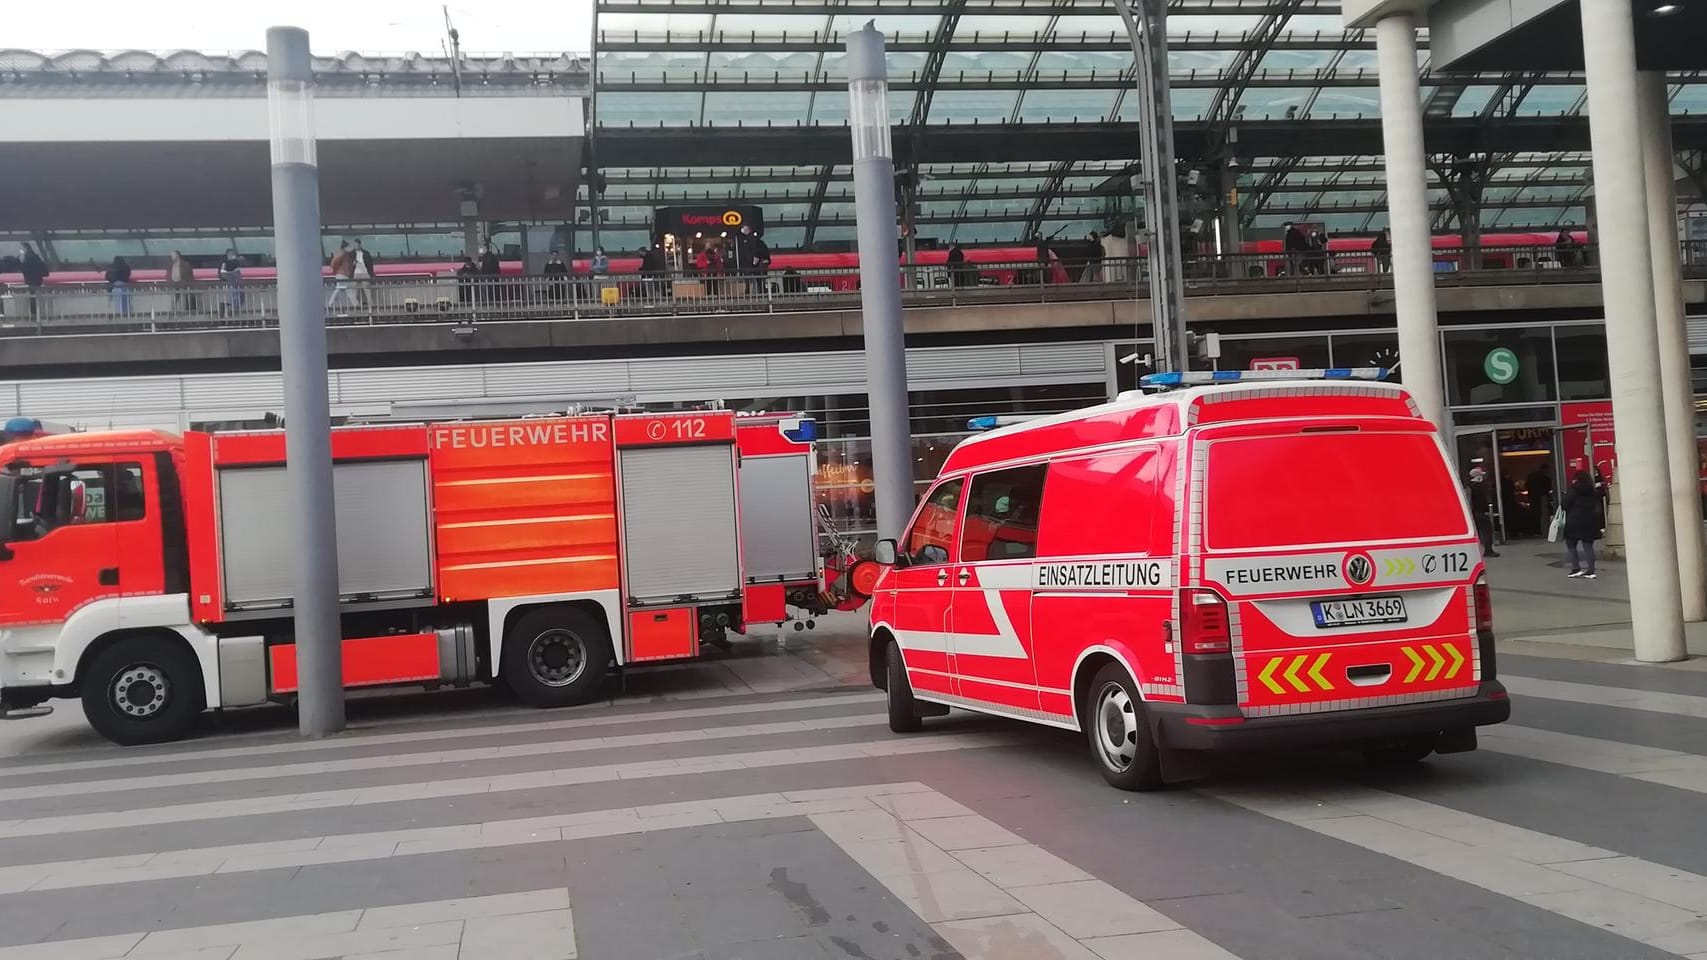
point(1309, 489)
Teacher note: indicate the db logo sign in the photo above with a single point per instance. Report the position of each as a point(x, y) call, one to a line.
point(732, 218)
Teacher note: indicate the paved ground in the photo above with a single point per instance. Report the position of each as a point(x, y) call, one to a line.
point(759, 809)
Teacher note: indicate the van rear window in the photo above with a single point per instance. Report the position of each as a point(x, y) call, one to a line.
point(1307, 489)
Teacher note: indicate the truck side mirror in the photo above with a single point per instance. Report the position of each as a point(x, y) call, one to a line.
point(886, 553)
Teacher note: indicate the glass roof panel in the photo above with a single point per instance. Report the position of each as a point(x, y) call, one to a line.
point(763, 64)
point(996, 27)
point(1282, 61)
point(1185, 61)
point(780, 107)
point(977, 63)
point(1326, 24)
point(1043, 104)
point(1347, 102)
point(1358, 60)
point(1083, 61)
point(622, 109)
point(1550, 100)
point(653, 23)
point(892, 25)
point(621, 66)
point(1473, 99)
point(963, 106)
point(1272, 103)
point(1691, 99)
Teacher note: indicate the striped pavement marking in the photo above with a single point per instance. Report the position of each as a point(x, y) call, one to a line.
point(392, 793)
point(351, 847)
point(356, 740)
point(1680, 704)
point(470, 754)
point(473, 928)
point(1637, 899)
point(1672, 768)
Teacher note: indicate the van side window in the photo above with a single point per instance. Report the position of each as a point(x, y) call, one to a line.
point(1002, 510)
point(1105, 505)
point(930, 543)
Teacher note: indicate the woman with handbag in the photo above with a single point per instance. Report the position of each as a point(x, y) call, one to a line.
point(1584, 522)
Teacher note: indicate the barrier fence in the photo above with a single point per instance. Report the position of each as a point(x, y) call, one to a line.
point(97, 308)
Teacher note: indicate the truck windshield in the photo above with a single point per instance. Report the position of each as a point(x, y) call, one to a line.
point(1310, 489)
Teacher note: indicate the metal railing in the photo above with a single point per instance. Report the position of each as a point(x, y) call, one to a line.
point(62, 309)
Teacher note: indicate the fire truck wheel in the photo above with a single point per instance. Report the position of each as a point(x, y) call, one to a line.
point(1119, 732)
point(555, 657)
point(142, 690)
point(903, 709)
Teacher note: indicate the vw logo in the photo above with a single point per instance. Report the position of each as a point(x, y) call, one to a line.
point(1359, 569)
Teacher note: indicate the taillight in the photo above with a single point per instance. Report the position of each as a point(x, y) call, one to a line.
point(1481, 600)
point(1203, 623)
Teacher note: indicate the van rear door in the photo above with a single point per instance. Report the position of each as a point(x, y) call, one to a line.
point(1348, 559)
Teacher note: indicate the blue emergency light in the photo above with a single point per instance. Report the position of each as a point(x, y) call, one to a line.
point(992, 422)
point(1193, 378)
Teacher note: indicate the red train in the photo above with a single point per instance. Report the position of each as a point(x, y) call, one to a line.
point(1001, 265)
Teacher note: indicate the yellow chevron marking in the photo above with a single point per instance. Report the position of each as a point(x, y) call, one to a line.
point(1291, 673)
point(1439, 661)
point(1457, 660)
point(1416, 664)
point(1315, 672)
point(1267, 676)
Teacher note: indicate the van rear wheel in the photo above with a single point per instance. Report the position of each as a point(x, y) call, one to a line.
point(903, 709)
point(1119, 732)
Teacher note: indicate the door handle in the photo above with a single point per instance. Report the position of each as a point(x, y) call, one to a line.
point(109, 577)
point(965, 577)
point(942, 578)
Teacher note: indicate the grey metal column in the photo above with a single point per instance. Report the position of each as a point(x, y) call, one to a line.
point(1147, 28)
point(1676, 386)
point(1632, 345)
point(302, 352)
point(879, 280)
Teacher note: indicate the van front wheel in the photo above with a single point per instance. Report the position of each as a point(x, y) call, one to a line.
point(903, 709)
point(1119, 732)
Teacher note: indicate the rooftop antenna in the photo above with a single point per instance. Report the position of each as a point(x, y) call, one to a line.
point(455, 52)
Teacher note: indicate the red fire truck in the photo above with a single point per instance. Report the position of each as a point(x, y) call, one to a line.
point(149, 575)
point(1229, 567)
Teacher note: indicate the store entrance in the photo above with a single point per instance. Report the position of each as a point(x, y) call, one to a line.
point(1520, 464)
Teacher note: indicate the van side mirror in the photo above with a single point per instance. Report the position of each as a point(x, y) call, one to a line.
point(887, 553)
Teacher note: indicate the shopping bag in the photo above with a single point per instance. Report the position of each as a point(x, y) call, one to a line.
point(1556, 529)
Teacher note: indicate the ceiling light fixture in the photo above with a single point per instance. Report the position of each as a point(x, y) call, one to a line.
point(1665, 9)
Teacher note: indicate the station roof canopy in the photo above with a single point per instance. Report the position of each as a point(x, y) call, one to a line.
point(1018, 115)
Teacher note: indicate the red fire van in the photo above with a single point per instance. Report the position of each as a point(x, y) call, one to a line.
point(1241, 565)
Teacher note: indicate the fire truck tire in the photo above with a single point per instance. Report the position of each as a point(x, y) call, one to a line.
point(1119, 732)
point(555, 657)
point(143, 689)
point(903, 709)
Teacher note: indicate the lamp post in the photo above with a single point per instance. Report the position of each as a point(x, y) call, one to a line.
point(879, 280)
point(302, 353)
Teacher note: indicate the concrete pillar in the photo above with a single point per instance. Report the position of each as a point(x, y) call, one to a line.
point(1676, 387)
point(1407, 213)
point(302, 353)
point(1633, 354)
point(879, 281)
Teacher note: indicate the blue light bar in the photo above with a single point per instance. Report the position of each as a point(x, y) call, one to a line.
point(982, 423)
point(1192, 378)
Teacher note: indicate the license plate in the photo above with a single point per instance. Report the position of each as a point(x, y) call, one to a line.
point(1358, 613)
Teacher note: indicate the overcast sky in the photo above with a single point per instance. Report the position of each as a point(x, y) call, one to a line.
point(334, 26)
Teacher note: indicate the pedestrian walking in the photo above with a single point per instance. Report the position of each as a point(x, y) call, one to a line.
point(1482, 509)
point(362, 274)
point(1585, 522)
point(343, 265)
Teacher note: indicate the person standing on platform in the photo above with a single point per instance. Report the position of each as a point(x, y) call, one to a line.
point(557, 278)
point(181, 276)
point(1382, 247)
point(956, 265)
point(489, 270)
point(34, 269)
point(1296, 245)
point(1482, 509)
point(342, 264)
point(118, 286)
point(231, 275)
point(761, 264)
point(1585, 522)
point(362, 274)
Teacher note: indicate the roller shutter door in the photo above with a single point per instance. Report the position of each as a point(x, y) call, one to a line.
point(678, 523)
point(778, 538)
